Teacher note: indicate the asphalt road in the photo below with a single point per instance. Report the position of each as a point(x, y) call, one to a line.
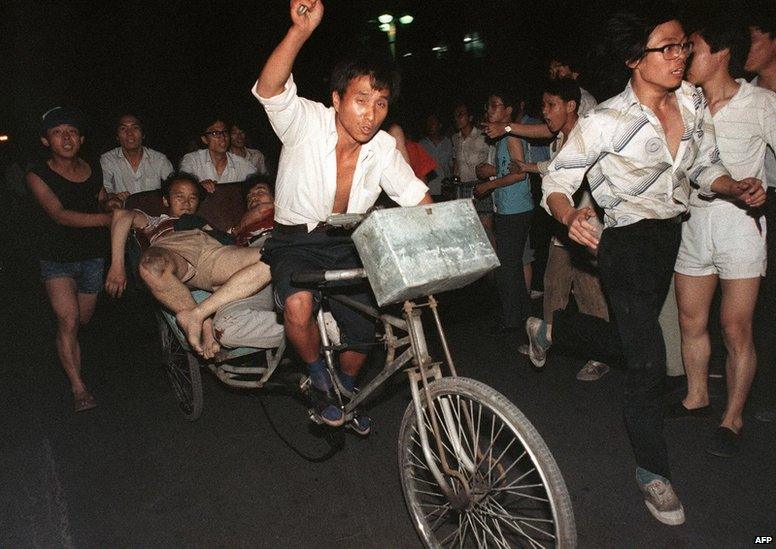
point(134, 473)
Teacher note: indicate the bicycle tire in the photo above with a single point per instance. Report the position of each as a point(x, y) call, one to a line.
point(183, 371)
point(490, 501)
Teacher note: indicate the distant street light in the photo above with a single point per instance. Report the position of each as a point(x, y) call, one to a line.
point(388, 26)
point(4, 137)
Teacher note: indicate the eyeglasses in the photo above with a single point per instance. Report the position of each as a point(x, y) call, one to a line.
point(672, 51)
point(493, 105)
point(217, 133)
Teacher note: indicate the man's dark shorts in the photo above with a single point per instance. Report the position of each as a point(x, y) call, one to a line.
point(315, 251)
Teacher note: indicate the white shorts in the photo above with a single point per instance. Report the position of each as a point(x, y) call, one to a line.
point(723, 240)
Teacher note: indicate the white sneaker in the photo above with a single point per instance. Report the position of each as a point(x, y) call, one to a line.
point(662, 502)
point(536, 352)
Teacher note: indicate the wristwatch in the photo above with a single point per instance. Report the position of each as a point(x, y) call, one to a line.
point(508, 129)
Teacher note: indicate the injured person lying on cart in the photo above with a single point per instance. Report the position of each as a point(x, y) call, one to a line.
point(182, 251)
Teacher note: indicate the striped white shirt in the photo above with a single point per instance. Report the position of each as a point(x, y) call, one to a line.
point(744, 128)
point(770, 156)
point(622, 148)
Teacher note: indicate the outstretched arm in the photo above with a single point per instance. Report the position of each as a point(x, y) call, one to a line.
point(122, 222)
point(277, 69)
point(494, 130)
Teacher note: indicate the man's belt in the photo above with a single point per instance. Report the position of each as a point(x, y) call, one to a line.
point(301, 229)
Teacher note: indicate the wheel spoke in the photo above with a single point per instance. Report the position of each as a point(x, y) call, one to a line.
point(516, 522)
point(511, 496)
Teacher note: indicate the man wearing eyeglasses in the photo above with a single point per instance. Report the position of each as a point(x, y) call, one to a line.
point(639, 151)
point(215, 164)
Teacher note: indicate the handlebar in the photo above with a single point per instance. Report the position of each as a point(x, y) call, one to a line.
point(318, 277)
point(346, 220)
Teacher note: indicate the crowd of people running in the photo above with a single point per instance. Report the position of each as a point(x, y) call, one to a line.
point(673, 178)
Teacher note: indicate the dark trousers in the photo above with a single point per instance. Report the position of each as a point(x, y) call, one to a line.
point(765, 326)
point(316, 251)
point(586, 336)
point(511, 234)
point(636, 263)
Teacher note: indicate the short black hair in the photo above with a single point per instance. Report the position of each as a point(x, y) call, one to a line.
point(564, 57)
point(624, 39)
point(629, 31)
point(510, 96)
point(721, 31)
point(181, 176)
point(565, 88)
point(381, 73)
point(207, 121)
point(256, 179)
point(761, 14)
point(133, 115)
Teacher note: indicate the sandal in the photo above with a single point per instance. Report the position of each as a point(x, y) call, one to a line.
point(83, 401)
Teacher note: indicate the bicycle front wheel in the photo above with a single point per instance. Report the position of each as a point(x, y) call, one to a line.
point(507, 490)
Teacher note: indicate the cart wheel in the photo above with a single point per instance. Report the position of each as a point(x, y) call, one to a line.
point(507, 490)
point(183, 371)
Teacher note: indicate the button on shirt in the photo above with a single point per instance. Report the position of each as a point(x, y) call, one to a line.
point(622, 148)
point(468, 152)
point(307, 170)
point(119, 176)
point(744, 128)
point(200, 164)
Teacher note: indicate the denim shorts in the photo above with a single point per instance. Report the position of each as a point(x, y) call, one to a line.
point(88, 273)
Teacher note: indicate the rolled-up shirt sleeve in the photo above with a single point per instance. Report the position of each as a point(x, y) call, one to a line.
point(566, 171)
point(399, 181)
point(287, 112)
point(707, 166)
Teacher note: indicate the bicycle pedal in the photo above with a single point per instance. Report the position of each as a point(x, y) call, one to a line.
point(304, 384)
point(314, 417)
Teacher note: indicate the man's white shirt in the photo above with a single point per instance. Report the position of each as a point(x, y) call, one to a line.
point(770, 155)
point(200, 164)
point(307, 170)
point(118, 175)
point(744, 129)
point(586, 103)
point(468, 152)
point(622, 148)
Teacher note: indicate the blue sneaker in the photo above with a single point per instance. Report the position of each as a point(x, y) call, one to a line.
point(326, 407)
point(361, 424)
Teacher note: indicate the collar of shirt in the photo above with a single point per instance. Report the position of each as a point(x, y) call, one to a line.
point(229, 161)
point(143, 157)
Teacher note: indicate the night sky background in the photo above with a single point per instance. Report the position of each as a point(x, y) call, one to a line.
point(176, 62)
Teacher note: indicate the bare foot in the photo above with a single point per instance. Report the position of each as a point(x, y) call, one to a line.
point(191, 325)
point(210, 345)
